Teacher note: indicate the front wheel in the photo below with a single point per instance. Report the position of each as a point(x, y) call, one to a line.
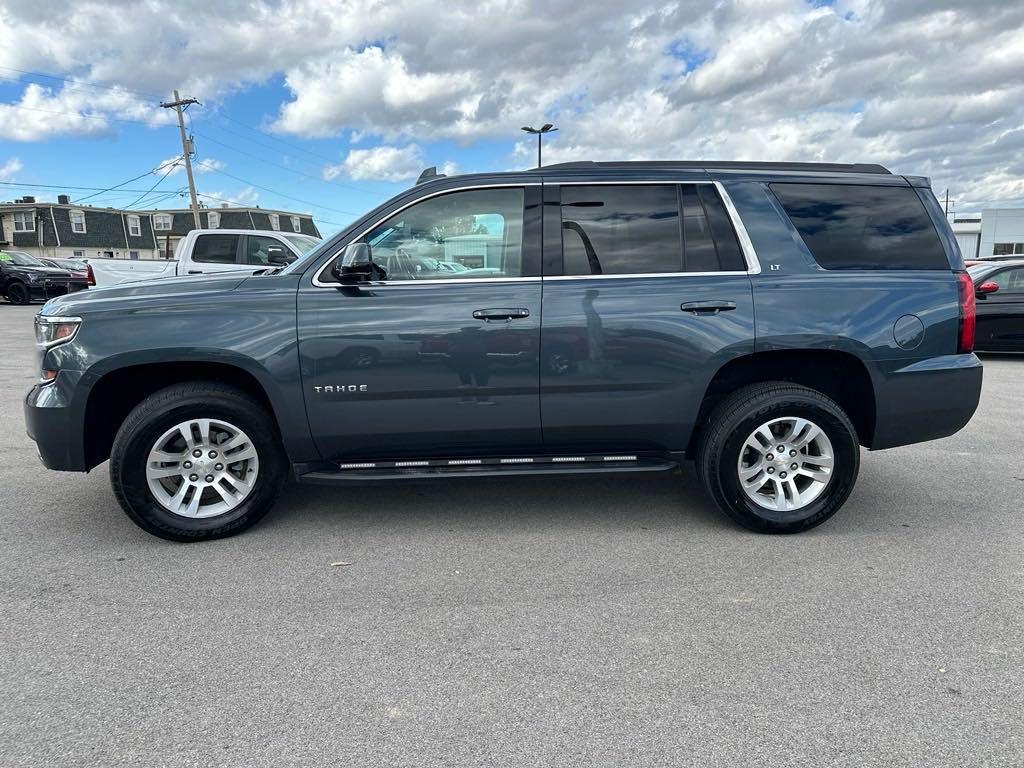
point(778, 457)
point(19, 293)
point(197, 461)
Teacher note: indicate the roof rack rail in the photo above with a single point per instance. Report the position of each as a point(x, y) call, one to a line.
point(737, 165)
point(428, 174)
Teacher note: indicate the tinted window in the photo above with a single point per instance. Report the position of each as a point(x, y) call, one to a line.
point(215, 249)
point(618, 230)
point(848, 226)
point(710, 243)
point(263, 251)
point(460, 236)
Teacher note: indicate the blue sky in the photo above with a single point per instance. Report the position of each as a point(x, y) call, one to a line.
point(331, 106)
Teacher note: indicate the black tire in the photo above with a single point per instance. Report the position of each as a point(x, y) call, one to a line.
point(19, 293)
point(162, 411)
point(737, 416)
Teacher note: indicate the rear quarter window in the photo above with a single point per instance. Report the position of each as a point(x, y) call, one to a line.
point(853, 226)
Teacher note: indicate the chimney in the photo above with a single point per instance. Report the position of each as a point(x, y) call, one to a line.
point(28, 199)
point(63, 199)
point(223, 205)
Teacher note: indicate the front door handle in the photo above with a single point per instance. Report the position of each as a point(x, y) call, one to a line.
point(506, 314)
point(195, 271)
point(707, 307)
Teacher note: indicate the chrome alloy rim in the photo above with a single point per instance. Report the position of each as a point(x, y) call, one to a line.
point(785, 464)
point(202, 468)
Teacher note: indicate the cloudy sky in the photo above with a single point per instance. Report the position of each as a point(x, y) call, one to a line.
point(331, 106)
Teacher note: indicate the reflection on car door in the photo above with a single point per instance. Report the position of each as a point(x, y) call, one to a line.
point(636, 323)
point(430, 362)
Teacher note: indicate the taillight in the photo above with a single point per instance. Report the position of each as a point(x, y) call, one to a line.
point(965, 287)
point(90, 276)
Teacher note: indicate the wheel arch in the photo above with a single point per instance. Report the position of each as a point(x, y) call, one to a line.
point(119, 389)
point(840, 375)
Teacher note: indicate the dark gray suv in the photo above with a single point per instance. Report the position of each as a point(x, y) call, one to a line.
point(765, 320)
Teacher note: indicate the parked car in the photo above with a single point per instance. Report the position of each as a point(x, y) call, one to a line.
point(1000, 291)
point(208, 251)
point(765, 321)
point(23, 278)
point(74, 266)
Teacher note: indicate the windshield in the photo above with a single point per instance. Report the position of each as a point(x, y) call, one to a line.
point(20, 259)
point(980, 270)
point(304, 243)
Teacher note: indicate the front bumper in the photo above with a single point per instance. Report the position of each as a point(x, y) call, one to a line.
point(55, 424)
point(926, 400)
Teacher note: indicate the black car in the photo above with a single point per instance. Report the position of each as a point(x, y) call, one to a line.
point(23, 278)
point(999, 288)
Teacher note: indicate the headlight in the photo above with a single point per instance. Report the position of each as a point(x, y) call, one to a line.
point(53, 330)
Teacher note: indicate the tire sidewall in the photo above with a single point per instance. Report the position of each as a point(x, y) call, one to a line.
point(844, 474)
point(131, 451)
point(19, 293)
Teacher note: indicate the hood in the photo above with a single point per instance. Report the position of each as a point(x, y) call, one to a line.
point(151, 291)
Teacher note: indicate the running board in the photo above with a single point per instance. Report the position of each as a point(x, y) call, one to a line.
point(419, 469)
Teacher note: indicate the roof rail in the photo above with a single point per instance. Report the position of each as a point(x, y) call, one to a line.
point(428, 174)
point(725, 165)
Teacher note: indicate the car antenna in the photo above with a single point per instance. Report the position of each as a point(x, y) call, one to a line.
point(428, 174)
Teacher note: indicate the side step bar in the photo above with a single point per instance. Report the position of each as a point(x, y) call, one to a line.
point(420, 469)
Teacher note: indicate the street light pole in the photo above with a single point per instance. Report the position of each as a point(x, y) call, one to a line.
point(546, 128)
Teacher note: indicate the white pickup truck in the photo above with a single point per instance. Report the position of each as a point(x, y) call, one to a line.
point(207, 250)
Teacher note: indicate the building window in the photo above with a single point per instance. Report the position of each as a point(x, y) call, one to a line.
point(134, 226)
point(275, 221)
point(24, 221)
point(133, 255)
point(296, 224)
point(78, 254)
point(999, 249)
point(162, 222)
point(213, 219)
point(77, 221)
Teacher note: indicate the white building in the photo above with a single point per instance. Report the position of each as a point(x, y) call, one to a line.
point(997, 232)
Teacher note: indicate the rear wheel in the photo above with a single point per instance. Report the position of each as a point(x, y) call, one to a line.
point(197, 461)
point(19, 293)
point(779, 457)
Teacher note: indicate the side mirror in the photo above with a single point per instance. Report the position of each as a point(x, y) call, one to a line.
point(355, 265)
point(987, 288)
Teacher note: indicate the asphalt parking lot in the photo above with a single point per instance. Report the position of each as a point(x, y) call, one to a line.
point(599, 622)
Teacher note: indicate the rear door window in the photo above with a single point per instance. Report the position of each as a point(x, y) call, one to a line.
point(215, 249)
point(853, 226)
point(621, 230)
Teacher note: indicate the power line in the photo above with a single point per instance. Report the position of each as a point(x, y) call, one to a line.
point(78, 81)
point(159, 181)
point(88, 117)
point(136, 178)
point(279, 140)
point(274, 191)
point(291, 170)
point(21, 184)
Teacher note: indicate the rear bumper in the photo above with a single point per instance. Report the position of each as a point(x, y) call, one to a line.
point(926, 400)
point(54, 425)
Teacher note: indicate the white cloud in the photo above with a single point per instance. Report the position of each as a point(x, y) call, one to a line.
point(932, 88)
point(247, 197)
point(10, 169)
point(204, 165)
point(383, 163)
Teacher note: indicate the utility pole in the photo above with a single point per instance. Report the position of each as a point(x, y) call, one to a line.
point(177, 105)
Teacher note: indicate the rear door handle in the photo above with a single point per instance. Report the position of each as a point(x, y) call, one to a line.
point(707, 307)
point(487, 315)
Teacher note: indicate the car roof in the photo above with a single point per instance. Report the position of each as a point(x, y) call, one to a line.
point(711, 165)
